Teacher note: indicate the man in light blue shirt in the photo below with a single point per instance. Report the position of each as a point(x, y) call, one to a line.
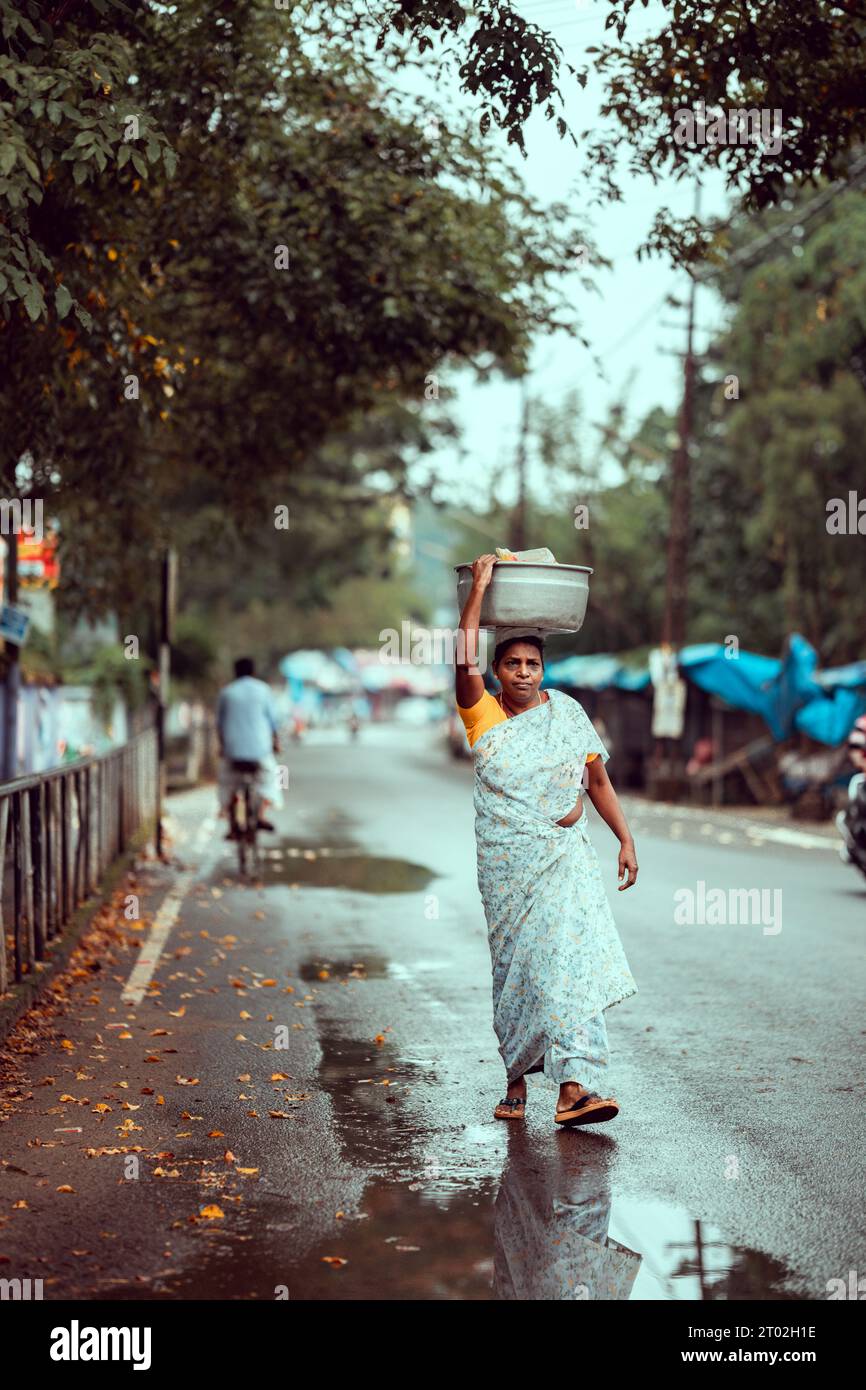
point(247, 727)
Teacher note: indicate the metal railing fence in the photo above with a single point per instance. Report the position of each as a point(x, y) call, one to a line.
point(59, 831)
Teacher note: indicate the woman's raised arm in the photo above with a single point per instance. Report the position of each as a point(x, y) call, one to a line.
point(468, 681)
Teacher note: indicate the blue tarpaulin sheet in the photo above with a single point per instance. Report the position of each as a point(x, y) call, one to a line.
point(790, 694)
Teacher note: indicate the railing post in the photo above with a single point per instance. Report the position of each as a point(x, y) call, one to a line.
point(50, 835)
point(66, 881)
point(4, 822)
point(16, 853)
point(88, 829)
point(37, 869)
point(27, 872)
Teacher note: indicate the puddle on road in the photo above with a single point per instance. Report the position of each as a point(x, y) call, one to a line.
point(339, 867)
point(446, 1210)
point(368, 966)
point(481, 1214)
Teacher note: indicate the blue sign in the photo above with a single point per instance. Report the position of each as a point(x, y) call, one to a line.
point(14, 624)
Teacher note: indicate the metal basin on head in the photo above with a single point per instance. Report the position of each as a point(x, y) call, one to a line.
point(551, 598)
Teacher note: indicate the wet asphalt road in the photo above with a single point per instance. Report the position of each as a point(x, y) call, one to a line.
point(360, 1159)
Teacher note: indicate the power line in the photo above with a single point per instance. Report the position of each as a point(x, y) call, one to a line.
point(800, 218)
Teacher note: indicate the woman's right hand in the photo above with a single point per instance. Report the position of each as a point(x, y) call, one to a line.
point(482, 571)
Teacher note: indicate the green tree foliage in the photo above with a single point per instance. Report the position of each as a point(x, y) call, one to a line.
point(806, 60)
point(282, 252)
point(772, 460)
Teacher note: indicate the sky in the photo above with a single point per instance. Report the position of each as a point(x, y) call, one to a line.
point(627, 323)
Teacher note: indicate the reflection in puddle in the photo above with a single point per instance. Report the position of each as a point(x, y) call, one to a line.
point(435, 1222)
point(334, 867)
point(551, 1232)
point(433, 1209)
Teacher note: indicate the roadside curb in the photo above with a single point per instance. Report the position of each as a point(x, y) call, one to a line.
point(738, 817)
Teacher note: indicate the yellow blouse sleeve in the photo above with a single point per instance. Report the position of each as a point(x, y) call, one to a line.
point(480, 717)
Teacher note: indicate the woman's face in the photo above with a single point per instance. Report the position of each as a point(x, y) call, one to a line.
point(519, 672)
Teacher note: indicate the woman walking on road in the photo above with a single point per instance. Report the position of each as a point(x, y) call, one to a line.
point(557, 959)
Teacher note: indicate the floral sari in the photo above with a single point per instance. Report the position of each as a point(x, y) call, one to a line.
point(557, 958)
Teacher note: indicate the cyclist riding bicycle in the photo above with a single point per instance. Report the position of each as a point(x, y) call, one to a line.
point(247, 728)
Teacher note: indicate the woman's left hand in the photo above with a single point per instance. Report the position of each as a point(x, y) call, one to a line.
point(627, 865)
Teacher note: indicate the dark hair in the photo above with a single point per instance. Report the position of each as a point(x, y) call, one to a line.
point(502, 647)
point(244, 666)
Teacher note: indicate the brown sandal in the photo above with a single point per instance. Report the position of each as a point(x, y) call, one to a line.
point(588, 1109)
point(510, 1106)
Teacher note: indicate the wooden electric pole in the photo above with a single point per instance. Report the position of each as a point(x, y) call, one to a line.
point(676, 586)
point(518, 525)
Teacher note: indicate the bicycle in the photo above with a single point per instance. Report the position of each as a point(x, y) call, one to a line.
point(247, 798)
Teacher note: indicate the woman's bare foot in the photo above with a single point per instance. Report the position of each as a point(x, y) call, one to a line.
point(569, 1092)
point(594, 1110)
point(516, 1093)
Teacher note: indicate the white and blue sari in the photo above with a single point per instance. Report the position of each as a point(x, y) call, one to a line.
point(558, 962)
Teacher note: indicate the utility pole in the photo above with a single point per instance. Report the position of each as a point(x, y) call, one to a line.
point(168, 576)
point(674, 623)
point(518, 525)
point(667, 772)
point(13, 667)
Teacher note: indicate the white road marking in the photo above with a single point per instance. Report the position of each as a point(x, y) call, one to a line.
point(169, 910)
